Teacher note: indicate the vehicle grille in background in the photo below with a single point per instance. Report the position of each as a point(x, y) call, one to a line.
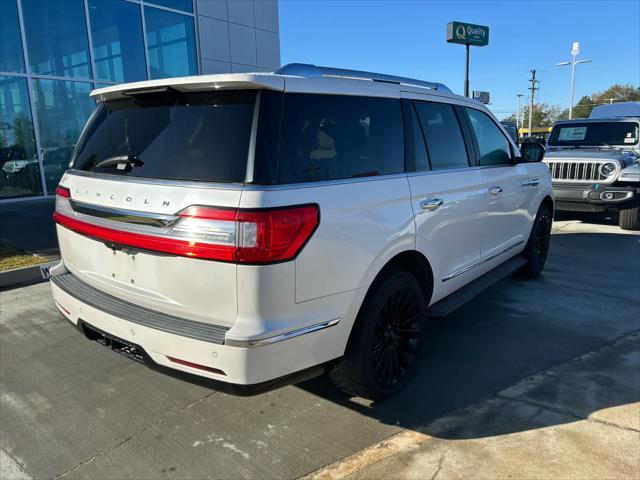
point(578, 171)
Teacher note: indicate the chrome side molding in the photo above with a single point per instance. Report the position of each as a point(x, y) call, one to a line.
point(483, 261)
point(283, 336)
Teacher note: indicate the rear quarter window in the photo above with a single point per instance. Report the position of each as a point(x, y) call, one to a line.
point(330, 137)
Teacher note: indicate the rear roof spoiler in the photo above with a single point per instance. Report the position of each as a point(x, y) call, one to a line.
point(311, 71)
point(192, 84)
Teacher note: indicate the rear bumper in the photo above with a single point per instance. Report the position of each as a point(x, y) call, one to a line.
point(594, 198)
point(168, 342)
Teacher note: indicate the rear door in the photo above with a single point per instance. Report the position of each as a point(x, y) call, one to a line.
point(124, 222)
point(446, 194)
point(506, 188)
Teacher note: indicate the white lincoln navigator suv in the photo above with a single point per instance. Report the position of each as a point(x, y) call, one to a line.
point(248, 227)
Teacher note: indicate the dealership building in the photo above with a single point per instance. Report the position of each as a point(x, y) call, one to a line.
point(54, 52)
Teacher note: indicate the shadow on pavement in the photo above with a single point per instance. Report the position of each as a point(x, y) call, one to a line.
point(517, 329)
point(596, 218)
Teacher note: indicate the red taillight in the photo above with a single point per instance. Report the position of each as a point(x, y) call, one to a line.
point(240, 236)
point(63, 192)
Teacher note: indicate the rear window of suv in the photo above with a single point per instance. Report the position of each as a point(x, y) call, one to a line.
point(171, 135)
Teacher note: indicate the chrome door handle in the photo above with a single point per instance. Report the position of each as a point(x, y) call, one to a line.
point(534, 182)
point(431, 203)
point(495, 190)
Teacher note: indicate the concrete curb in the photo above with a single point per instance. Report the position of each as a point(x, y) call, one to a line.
point(19, 277)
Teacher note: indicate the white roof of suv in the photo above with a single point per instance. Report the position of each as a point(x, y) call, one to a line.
point(297, 77)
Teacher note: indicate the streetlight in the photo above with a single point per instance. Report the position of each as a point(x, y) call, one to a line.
point(574, 53)
point(519, 95)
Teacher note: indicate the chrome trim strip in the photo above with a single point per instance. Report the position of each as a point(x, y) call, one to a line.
point(460, 272)
point(123, 215)
point(483, 261)
point(505, 250)
point(283, 336)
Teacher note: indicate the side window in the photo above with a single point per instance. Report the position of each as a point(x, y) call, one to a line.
point(445, 143)
point(493, 145)
point(329, 137)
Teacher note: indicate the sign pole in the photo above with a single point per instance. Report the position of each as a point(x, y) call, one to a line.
point(466, 76)
point(467, 34)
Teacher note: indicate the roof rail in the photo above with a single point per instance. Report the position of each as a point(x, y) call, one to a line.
point(309, 70)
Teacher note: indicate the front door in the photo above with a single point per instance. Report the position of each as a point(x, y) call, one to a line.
point(506, 189)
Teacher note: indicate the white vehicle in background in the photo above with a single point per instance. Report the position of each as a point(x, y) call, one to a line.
point(621, 109)
point(595, 164)
point(247, 227)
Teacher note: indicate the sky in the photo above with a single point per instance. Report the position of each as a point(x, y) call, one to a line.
point(408, 38)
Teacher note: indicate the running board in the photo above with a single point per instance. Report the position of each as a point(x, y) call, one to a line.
point(444, 307)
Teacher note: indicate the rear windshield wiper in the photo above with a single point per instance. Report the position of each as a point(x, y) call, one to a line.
point(121, 162)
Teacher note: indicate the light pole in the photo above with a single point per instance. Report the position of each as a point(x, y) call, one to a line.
point(519, 95)
point(575, 49)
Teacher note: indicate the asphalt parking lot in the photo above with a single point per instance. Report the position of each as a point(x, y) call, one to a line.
point(70, 408)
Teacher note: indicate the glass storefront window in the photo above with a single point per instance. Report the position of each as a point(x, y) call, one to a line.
point(62, 108)
point(184, 5)
point(118, 48)
point(171, 42)
point(57, 41)
point(19, 168)
point(11, 59)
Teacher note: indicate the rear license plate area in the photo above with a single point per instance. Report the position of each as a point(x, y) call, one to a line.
point(118, 345)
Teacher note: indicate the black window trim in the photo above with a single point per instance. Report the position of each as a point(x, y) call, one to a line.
point(411, 123)
point(473, 151)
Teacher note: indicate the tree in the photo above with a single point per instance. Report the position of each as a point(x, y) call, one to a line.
point(617, 93)
point(582, 109)
point(543, 115)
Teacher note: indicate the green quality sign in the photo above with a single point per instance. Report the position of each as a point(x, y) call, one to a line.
point(467, 34)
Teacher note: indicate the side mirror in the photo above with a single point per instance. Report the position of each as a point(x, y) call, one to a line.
point(531, 152)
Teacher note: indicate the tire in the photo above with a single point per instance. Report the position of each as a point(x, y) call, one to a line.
point(630, 218)
point(384, 345)
point(537, 248)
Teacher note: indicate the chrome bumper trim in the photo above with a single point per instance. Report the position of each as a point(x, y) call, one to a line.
point(283, 336)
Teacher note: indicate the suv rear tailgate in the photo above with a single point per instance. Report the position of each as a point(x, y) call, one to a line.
point(192, 288)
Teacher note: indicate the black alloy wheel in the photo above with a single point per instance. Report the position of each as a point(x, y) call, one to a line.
point(537, 248)
point(384, 345)
point(395, 338)
point(542, 236)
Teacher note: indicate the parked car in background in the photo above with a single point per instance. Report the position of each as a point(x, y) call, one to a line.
point(540, 133)
point(595, 166)
point(622, 109)
point(245, 227)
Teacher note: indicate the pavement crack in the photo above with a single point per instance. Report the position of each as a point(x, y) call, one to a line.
point(133, 435)
point(567, 413)
point(433, 477)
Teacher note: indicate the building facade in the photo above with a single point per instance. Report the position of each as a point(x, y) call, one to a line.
point(54, 52)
